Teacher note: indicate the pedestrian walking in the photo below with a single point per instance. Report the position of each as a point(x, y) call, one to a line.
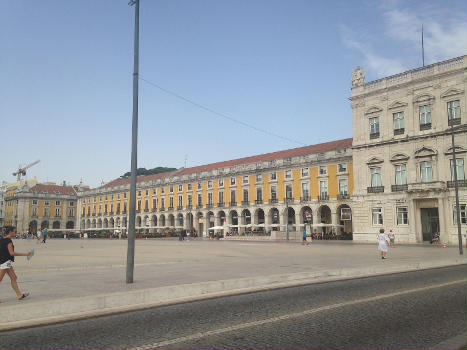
point(304, 238)
point(392, 238)
point(44, 233)
point(382, 243)
point(7, 257)
point(39, 235)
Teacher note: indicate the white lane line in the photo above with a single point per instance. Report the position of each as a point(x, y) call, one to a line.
point(200, 335)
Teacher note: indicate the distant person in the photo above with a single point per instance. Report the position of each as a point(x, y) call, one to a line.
point(392, 237)
point(39, 235)
point(304, 238)
point(44, 233)
point(382, 243)
point(435, 238)
point(7, 257)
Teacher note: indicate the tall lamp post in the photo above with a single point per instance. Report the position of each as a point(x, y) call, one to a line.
point(456, 187)
point(130, 260)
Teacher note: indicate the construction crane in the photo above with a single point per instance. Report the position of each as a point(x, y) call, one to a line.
point(22, 171)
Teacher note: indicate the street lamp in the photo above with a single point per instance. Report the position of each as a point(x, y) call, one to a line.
point(130, 261)
point(456, 187)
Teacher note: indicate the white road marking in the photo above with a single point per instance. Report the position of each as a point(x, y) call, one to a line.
point(201, 335)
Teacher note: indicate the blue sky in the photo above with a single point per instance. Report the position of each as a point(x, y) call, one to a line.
point(283, 66)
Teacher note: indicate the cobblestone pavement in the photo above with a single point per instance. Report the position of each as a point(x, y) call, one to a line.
point(414, 310)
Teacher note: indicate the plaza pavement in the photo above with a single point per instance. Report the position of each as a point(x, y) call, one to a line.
point(72, 279)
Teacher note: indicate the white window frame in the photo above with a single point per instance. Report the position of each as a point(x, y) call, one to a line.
point(323, 170)
point(460, 168)
point(221, 182)
point(377, 216)
point(305, 172)
point(346, 192)
point(424, 114)
point(400, 169)
point(342, 167)
point(273, 176)
point(375, 174)
point(424, 171)
point(305, 190)
point(259, 193)
point(323, 188)
point(232, 180)
point(259, 178)
point(57, 203)
point(273, 192)
point(210, 184)
point(454, 109)
point(288, 174)
point(398, 120)
point(402, 217)
point(374, 125)
point(287, 191)
point(462, 212)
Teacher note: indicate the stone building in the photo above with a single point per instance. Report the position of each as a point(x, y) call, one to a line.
point(402, 152)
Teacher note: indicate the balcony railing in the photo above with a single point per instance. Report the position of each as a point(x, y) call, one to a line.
point(398, 188)
point(460, 183)
point(245, 202)
point(199, 206)
point(374, 135)
point(189, 206)
point(305, 199)
point(146, 210)
point(425, 126)
point(170, 208)
point(180, 207)
point(375, 189)
point(220, 204)
point(162, 209)
point(208, 206)
point(343, 196)
point(323, 197)
point(273, 200)
point(259, 201)
point(455, 121)
point(399, 131)
point(233, 203)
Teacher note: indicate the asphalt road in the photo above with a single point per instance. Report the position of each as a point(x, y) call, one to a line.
point(415, 310)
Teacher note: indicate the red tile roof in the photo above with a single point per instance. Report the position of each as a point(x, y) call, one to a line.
point(52, 189)
point(300, 151)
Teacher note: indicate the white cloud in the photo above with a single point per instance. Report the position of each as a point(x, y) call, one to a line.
point(444, 37)
point(377, 64)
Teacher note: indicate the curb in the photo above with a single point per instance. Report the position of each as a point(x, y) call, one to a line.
point(42, 313)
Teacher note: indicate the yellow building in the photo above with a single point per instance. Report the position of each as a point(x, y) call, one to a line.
point(309, 185)
point(41, 206)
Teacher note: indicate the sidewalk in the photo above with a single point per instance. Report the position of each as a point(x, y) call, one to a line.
point(70, 279)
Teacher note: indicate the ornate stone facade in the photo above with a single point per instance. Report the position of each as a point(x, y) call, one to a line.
point(402, 150)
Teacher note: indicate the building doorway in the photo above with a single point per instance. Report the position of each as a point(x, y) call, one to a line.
point(430, 222)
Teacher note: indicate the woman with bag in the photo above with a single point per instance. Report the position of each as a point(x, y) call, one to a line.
point(7, 257)
point(383, 241)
